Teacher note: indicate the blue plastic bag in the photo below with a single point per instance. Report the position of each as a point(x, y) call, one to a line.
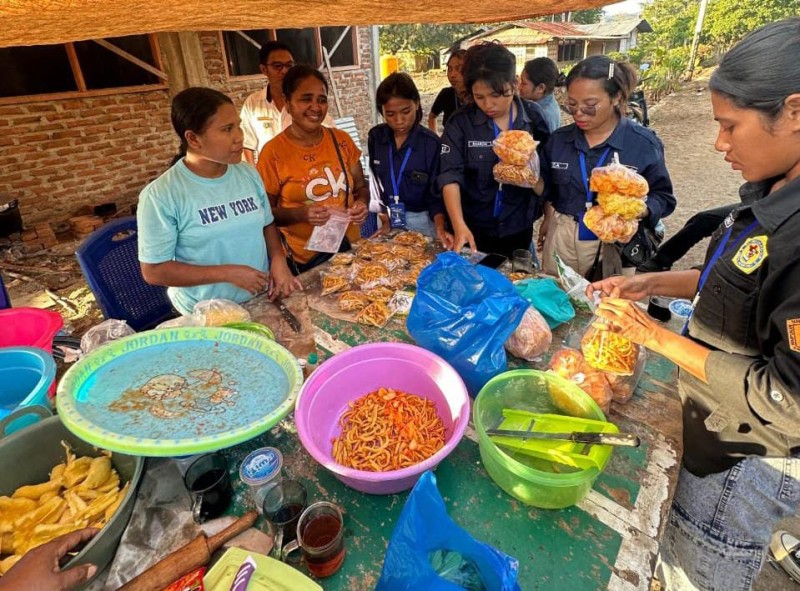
point(548, 298)
point(465, 313)
point(425, 530)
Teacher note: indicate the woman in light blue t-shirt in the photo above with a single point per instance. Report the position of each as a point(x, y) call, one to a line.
point(539, 79)
point(206, 229)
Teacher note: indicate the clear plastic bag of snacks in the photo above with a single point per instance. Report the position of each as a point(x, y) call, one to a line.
point(609, 352)
point(628, 208)
point(571, 365)
point(219, 312)
point(618, 178)
point(623, 387)
point(511, 174)
point(531, 338)
point(515, 146)
point(328, 237)
point(610, 228)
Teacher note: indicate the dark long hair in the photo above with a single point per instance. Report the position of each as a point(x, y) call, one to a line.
point(192, 108)
point(297, 74)
point(762, 69)
point(618, 78)
point(398, 85)
point(543, 70)
point(492, 63)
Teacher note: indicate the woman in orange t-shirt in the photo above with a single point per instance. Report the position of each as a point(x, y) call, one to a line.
point(309, 170)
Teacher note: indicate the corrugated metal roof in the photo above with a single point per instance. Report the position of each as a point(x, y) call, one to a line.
point(516, 36)
point(616, 28)
point(555, 29)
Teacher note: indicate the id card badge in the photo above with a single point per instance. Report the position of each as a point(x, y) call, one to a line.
point(585, 233)
point(397, 214)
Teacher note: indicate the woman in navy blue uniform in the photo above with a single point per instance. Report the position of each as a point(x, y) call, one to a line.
point(597, 92)
point(404, 155)
point(484, 215)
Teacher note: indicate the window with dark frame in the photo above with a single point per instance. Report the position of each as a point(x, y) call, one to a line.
point(306, 45)
point(46, 69)
point(570, 51)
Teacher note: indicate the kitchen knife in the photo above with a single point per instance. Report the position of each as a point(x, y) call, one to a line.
point(616, 439)
point(290, 318)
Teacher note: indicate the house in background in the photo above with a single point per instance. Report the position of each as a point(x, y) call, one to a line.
point(88, 122)
point(564, 43)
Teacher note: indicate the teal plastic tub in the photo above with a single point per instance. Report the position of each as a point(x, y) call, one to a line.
point(26, 374)
point(532, 480)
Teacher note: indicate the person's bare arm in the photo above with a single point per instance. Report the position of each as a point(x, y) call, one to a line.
point(432, 123)
point(177, 274)
point(249, 156)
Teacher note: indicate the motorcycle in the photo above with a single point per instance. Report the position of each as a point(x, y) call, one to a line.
point(637, 104)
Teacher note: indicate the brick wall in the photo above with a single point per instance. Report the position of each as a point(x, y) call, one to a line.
point(355, 92)
point(58, 156)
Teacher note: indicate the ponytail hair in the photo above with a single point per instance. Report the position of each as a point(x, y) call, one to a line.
point(192, 109)
point(543, 70)
point(491, 63)
point(617, 78)
point(763, 69)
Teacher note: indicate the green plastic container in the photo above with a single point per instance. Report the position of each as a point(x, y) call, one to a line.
point(532, 480)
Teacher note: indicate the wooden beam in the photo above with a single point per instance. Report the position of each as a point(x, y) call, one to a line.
point(76, 68)
point(249, 39)
point(131, 58)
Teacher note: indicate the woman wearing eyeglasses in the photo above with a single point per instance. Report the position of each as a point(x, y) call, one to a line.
point(264, 112)
point(597, 92)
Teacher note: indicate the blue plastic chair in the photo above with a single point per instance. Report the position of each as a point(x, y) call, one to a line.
point(110, 263)
point(5, 301)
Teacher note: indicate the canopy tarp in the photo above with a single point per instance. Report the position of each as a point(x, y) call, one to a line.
point(42, 22)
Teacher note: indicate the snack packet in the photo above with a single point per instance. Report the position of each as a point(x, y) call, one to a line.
point(401, 301)
point(618, 178)
point(334, 282)
point(571, 365)
point(514, 146)
point(328, 238)
point(511, 174)
point(376, 314)
point(218, 312)
point(610, 352)
point(575, 286)
point(628, 208)
point(531, 338)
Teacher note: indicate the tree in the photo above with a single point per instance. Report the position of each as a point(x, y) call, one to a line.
point(588, 17)
point(730, 20)
point(421, 39)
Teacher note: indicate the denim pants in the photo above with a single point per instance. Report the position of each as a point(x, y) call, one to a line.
point(720, 525)
point(419, 221)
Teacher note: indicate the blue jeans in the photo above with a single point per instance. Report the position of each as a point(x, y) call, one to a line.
point(720, 525)
point(419, 221)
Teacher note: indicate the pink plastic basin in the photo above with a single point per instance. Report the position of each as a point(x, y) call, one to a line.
point(361, 370)
point(30, 327)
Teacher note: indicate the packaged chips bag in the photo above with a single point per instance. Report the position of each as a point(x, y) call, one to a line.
point(610, 352)
point(618, 178)
point(519, 161)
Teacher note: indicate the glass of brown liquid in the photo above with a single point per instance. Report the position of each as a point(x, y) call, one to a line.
point(283, 505)
point(208, 482)
point(320, 536)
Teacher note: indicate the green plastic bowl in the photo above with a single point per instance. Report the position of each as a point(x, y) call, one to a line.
point(534, 481)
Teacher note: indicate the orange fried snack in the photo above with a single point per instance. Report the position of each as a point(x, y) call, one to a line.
point(376, 314)
point(411, 239)
point(609, 228)
point(616, 178)
point(512, 174)
point(379, 294)
point(342, 258)
point(610, 352)
point(388, 430)
point(514, 146)
point(352, 301)
point(331, 283)
point(371, 274)
point(628, 208)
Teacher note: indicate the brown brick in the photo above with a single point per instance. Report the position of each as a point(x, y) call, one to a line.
point(28, 235)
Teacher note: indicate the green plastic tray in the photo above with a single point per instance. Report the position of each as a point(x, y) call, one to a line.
point(577, 455)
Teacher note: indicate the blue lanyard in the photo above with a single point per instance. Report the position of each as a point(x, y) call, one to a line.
point(498, 197)
point(585, 175)
point(395, 185)
point(719, 252)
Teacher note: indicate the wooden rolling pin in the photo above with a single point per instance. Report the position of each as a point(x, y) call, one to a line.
point(187, 558)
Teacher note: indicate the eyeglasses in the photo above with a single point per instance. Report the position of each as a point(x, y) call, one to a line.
point(281, 65)
point(589, 111)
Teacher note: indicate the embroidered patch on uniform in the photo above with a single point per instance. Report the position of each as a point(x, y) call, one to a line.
point(445, 149)
point(728, 220)
point(751, 254)
point(479, 144)
point(559, 165)
point(793, 330)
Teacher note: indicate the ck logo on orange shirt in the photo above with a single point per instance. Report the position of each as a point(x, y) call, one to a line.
point(320, 189)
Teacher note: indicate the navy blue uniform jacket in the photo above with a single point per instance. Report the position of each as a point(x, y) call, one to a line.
point(418, 183)
point(468, 159)
point(638, 148)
